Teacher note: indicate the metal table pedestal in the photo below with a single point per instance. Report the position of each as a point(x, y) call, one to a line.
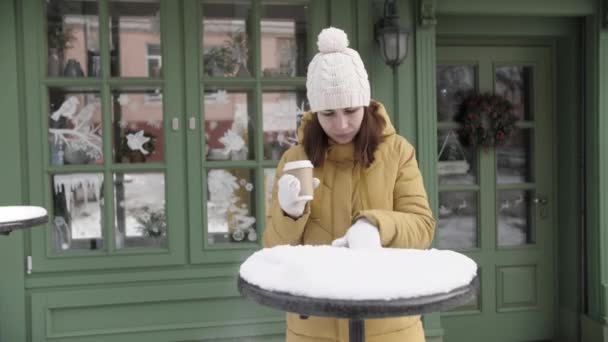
point(358, 310)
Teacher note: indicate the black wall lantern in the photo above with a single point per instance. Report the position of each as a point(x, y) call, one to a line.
point(392, 38)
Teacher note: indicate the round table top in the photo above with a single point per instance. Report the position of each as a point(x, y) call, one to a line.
point(20, 217)
point(358, 283)
point(359, 309)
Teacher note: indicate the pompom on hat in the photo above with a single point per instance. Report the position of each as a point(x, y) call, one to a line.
point(336, 76)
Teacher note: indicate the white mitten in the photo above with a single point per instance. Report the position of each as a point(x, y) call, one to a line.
point(362, 234)
point(289, 195)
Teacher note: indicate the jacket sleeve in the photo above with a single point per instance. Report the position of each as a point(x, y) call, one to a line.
point(281, 229)
point(410, 224)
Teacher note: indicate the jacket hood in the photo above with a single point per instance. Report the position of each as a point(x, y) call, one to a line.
point(388, 130)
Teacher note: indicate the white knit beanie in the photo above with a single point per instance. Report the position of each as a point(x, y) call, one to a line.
point(336, 76)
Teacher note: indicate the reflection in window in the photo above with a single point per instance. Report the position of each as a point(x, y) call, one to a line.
point(227, 125)
point(457, 227)
point(514, 83)
point(72, 29)
point(454, 84)
point(133, 27)
point(230, 211)
point(140, 210)
point(284, 39)
point(77, 211)
point(456, 164)
point(268, 184)
point(137, 123)
point(226, 37)
point(282, 112)
point(514, 158)
point(514, 218)
point(154, 60)
point(74, 127)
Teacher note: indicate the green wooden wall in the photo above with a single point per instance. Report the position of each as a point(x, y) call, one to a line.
point(12, 292)
point(191, 302)
point(594, 322)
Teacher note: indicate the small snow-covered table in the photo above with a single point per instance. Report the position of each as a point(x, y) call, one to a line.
point(358, 284)
point(20, 217)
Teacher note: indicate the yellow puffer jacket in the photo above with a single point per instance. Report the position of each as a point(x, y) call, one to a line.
point(390, 194)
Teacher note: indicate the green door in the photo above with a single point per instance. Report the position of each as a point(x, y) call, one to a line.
point(496, 205)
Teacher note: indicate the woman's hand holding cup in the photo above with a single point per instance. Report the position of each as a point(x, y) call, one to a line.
point(295, 187)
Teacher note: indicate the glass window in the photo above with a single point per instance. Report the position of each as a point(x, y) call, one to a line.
point(454, 84)
point(457, 227)
point(134, 26)
point(137, 121)
point(78, 211)
point(139, 213)
point(226, 38)
point(72, 37)
point(75, 126)
point(282, 113)
point(284, 40)
point(230, 206)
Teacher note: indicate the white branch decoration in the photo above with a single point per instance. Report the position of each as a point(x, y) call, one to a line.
point(84, 136)
point(90, 139)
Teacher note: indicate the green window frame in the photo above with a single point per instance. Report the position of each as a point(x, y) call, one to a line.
point(183, 85)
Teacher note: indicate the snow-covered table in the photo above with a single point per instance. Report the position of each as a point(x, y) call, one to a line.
point(358, 284)
point(20, 217)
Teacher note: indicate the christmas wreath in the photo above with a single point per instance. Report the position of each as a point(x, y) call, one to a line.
point(487, 120)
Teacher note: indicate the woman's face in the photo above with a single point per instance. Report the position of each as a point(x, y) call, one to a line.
point(341, 125)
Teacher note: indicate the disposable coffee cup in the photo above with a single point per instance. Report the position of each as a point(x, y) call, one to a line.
point(302, 170)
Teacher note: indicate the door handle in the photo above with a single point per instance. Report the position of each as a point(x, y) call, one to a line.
point(541, 202)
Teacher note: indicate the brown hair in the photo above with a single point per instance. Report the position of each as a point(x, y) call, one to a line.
point(366, 141)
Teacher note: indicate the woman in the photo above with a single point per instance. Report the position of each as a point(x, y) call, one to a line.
point(369, 191)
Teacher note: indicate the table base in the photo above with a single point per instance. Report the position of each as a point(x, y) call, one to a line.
point(356, 330)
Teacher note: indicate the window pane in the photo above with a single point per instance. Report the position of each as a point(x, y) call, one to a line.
point(74, 127)
point(268, 183)
point(72, 33)
point(514, 218)
point(284, 39)
point(456, 164)
point(226, 38)
point(515, 84)
point(137, 121)
point(140, 210)
point(454, 83)
point(228, 131)
point(282, 112)
point(133, 27)
point(77, 211)
point(457, 228)
point(230, 206)
point(514, 158)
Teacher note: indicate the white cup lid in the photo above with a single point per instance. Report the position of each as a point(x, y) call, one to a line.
point(297, 164)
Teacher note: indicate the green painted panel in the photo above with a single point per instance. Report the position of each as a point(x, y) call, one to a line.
point(603, 160)
point(516, 287)
point(418, 95)
point(505, 26)
point(592, 330)
point(12, 294)
point(149, 310)
point(342, 15)
point(569, 126)
point(517, 7)
point(593, 171)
